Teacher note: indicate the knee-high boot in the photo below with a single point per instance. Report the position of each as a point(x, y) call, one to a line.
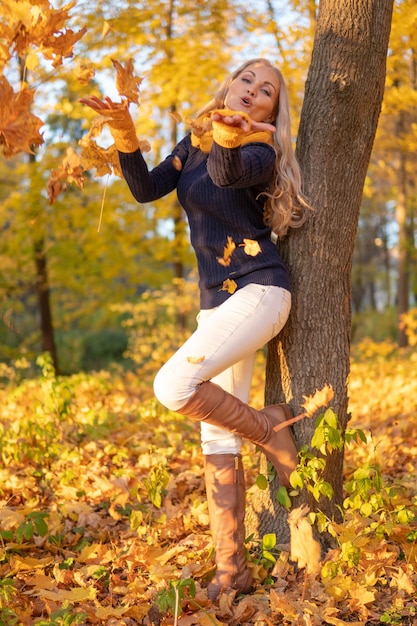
point(266, 428)
point(225, 486)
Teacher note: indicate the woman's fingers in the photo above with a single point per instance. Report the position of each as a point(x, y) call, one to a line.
point(98, 105)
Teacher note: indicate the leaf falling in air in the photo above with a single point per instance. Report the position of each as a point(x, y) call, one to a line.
point(199, 127)
point(38, 24)
point(126, 83)
point(19, 128)
point(228, 250)
point(69, 171)
point(84, 73)
point(144, 145)
point(318, 400)
point(176, 116)
point(106, 29)
point(304, 549)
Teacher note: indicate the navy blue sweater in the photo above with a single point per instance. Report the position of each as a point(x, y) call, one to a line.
point(218, 192)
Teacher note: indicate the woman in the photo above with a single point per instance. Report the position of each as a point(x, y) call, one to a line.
point(238, 181)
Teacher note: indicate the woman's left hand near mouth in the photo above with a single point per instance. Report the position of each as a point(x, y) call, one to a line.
point(241, 122)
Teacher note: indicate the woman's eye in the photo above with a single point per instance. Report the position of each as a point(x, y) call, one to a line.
point(266, 92)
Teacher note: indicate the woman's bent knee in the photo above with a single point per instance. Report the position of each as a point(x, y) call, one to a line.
point(169, 392)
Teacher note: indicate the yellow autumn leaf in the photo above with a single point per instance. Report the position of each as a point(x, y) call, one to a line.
point(304, 549)
point(78, 594)
point(176, 116)
point(84, 73)
point(10, 518)
point(106, 29)
point(228, 250)
point(19, 128)
point(195, 359)
point(21, 564)
point(42, 581)
point(229, 285)
point(251, 247)
point(127, 84)
point(176, 162)
point(104, 612)
point(318, 400)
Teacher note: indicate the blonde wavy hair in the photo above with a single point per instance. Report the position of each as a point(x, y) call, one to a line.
point(285, 205)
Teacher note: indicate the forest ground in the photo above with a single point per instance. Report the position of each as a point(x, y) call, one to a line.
point(103, 515)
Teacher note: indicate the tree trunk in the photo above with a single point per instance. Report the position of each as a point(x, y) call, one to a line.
point(44, 305)
point(404, 243)
point(343, 96)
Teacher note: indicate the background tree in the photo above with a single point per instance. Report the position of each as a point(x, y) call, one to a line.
point(343, 97)
point(391, 181)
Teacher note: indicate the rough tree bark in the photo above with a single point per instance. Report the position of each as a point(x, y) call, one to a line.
point(343, 96)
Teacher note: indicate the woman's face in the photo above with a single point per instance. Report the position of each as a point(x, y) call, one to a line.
point(254, 91)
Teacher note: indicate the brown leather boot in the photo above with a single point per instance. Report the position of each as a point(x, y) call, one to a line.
point(266, 428)
point(225, 486)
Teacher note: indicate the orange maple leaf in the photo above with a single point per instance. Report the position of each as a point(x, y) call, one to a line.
point(318, 400)
point(70, 171)
point(305, 550)
point(19, 128)
point(229, 285)
point(84, 73)
point(228, 250)
point(126, 83)
point(39, 24)
point(59, 47)
point(251, 247)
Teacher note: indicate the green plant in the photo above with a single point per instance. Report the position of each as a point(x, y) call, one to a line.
point(171, 598)
point(64, 617)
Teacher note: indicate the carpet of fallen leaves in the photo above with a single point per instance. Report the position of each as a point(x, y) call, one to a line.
point(103, 508)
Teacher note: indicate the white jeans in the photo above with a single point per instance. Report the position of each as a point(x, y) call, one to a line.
point(223, 350)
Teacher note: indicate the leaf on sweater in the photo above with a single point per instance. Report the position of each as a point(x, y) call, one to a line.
point(228, 250)
point(126, 83)
point(229, 285)
point(176, 162)
point(318, 400)
point(251, 247)
point(19, 128)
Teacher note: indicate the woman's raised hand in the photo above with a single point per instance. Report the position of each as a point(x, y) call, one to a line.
point(100, 106)
point(241, 121)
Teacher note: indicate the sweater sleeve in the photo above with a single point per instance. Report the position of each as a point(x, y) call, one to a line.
point(148, 185)
point(249, 165)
